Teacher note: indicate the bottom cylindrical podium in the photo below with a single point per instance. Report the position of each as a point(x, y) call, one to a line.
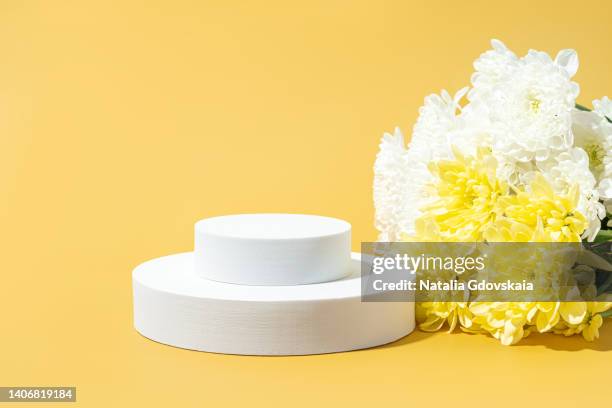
point(172, 305)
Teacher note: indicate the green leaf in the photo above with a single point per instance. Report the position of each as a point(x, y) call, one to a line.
point(603, 288)
point(582, 108)
point(603, 236)
point(593, 260)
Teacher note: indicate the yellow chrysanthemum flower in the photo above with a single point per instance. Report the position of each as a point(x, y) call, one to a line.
point(551, 217)
point(472, 206)
point(467, 192)
point(590, 330)
point(433, 315)
point(582, 317)
point(504, 320)
point(548, 316)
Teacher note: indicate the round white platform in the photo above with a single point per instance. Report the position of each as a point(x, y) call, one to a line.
point(174, 306)
point(272, 249)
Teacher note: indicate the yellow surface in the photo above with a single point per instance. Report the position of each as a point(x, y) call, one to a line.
point(123, 122)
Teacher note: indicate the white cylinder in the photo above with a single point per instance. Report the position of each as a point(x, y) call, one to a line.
point(175, 307)
point(272, 249)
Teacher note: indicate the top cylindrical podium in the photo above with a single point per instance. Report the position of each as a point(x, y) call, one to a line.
point(272, 249)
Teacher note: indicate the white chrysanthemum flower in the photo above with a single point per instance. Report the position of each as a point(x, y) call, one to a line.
point(432, 133)
point(523, 109)
point(593, 133)
point(443, 124)
point(493, 67)
point(572, 168)
point(391, 185)
point(603, 107)
point(401, 176)
point(528, 101)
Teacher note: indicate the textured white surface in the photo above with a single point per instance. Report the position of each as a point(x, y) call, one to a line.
point(172, 305)
point(272, 249)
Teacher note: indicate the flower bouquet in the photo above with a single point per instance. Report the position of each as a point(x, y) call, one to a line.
point(512, 158)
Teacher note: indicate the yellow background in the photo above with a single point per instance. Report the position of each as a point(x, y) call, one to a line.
point(123, 122)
